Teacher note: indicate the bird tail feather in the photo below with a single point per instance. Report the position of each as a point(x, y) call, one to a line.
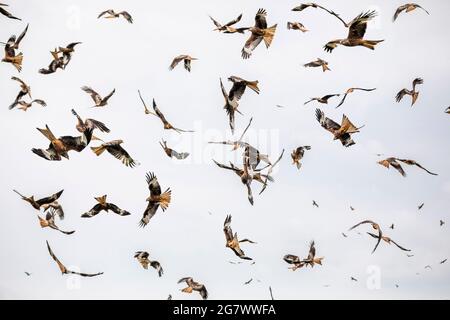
point(269, 34)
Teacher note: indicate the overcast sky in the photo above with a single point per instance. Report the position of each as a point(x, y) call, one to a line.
point(186, 239)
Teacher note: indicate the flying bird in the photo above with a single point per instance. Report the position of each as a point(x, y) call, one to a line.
point(102, 205)
point(443, 261)
point(357, 29)
point(314, 203)
point(259, 33)
point(237, 143)
point(98, 100)
point(232, 240)
point(304, 6)
point(394, 162)
point(344, 235)
point(351, 208)
point(111, 14)
point(55, 64)
point(10, 50)
point(351, 90)
point(7, 14)
point(388, 241)
point(186, 60)
point(353, 279)
point(24, 90)
point(323, 100)
point(59, 147)
point(49, 221)
point(114, 148)
point(146, 109)
point(155, 199)
point(27, 273)
point(441, 223)
point(391, 227)
point(428, 267)
point(298, 154)
point(227, 28)
point(89, 124)
point(23, 105)
point(64, 270)
point(408, 7)
point(172, 153)
point(167, 125)
point(421, 206)
point(375, 226)
point(299, 263)
point(413, 93)
point(143, 258)
point(296, 26)
point(447, 110)
point(194, 286)
point(67, 53)
point(248, 281)
point(341, 132)
point(319, 63)
point(45, 203)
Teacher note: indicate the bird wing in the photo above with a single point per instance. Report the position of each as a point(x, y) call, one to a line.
point(117, 210)
point(7, 14)
point(120, 153)
point(347, 126)
point(216, 23)
point(250, 45)
point(358, 26)
point(185, 279)
point(227, 228)
point(157, 266)
point(19, 80)
point(21, 36)
point(86, 274)
point(92, 123)
point(105, 99)
point(416, 82)
point(50, 199)
point(398, 11)
point(362, 222)
point(400, 247)
point(60, 265)
point(127, 16)
point(237, 90)
point(159, 114)
point(260, 19)
point(153, 184)
point(148, 213)
point(94, 95)
point(40, 102)
point(223, 166)
point(187, 64)
point(109, 11)
point(203, 292)
point(232, 22)
point(325, 122)
point(291, 259)
point(342, 101)
point(177, 60)
point(93, 212)
point(179, 156)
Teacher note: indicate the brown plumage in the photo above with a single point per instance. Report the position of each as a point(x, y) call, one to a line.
point(23, 105)
point(318, 63)
point(296, 26)
point(194, 286)
point(49, 221)
point(98, 100)
point(63, 268)
point(304, 6)
point(10, 50)
point(24, 90)
point(167, 125)
point(323, 100)
point(102, 205)
point(45, 203)
point(340, 132)
point(89, 124)
point(310, 260)
point(111, 14)
point(6, 13)
point(232, 240)
point(259, 33)
point(351, 90)
point(227, 28)
point(413, 93)
point(408, 7)
point(388, 241)
point(155, 199)
point(394, 162)
point(298, 154)
point(357, 29)
point(186, 60)
point(172, 153)
point(114, 148)
point(143, 258)
point(375, 226)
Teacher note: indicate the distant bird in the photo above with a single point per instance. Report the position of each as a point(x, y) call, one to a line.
point(394, 162)
point(49, 221)
point(194, 286)
point(45, 203)
point(146, 109)
point(323, 100)
point(24, 90)
point(172, 153)
point(396, 285)
point(298, 154)
point(143, 258)
point(357, 29)
point(167, 125)
point(89, 124)
point(187, 59)
point(351, 208)
point(407, 8)
point(392, 226)
point(169, 297)
point(155, 199)
point(443, 261)
point(59, 147)
point(441, 223)
point(227, 28)
point(410, 255)
point(428, 267)
point(248, 281)
point(299, 263)
point(447, 110)
point(64, 270)
point(98, 100)
point(296, 26)
point(232, 240)
point(102, 205)
point(353, 279)
point(27, 273)
point(314, 203)
point(294, 260)
point(341, 132)
point(344, 235)
point(55, 64)
point(413, 93)
point(259, 33)
point(23, 105)
point(232, 262)
point(421, 206)
point(304, 6)
point(10, 49)
point(114, 148)
point(4, 12)
point(388, 241)
point(111, 14)
point(375, 226)
point(351, 90)
point(67, 53)
point(318, 63)
point(237, 143)
point(271, 295)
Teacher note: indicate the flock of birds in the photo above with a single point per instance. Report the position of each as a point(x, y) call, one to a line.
point(256, 166)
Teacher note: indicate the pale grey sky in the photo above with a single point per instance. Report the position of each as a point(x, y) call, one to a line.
point(186, 239)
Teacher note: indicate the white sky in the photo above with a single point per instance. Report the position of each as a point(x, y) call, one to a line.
point(186, 239)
